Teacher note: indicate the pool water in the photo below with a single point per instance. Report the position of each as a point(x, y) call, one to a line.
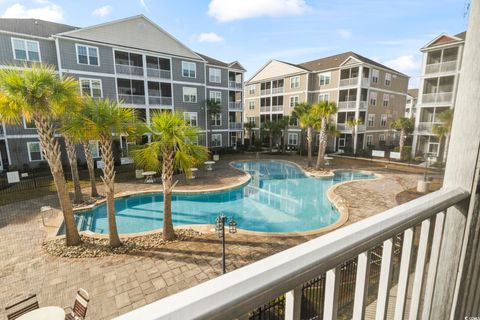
point(279, 198)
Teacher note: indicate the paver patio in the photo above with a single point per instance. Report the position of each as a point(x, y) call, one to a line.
point(121, 283)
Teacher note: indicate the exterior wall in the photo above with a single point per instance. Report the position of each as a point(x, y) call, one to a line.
point(303, 83)
point(108, 84)
point(223, 110)
point(48, 53)
point(68, 57)
point(177, 71)
point(181, 106)
point(315, 80)
point(223, 76)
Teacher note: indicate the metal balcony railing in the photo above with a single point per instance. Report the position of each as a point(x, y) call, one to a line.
point(265, 92)
point(363, 105)
point(426, 126)
point(437, 98)
point(235, 126)
point(277, 108)
point(162, 101)
point(341, 126)
point(159, 73)
point(366, 82)
point(348, 82)
point(441, 67)
point(234, 85)
point(265, 109)
point(347, 105)
point(277, 90)
point(129, 70)
point(131, 99)
point(235, 105)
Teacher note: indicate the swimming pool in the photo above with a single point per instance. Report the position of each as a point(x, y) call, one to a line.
point(278, 198)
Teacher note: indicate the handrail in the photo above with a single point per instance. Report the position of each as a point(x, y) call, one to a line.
point(238, 292)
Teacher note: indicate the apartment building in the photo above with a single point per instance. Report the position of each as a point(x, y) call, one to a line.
point(411, 105)
point(131, 60)
point(362, 88)
point(441, 64)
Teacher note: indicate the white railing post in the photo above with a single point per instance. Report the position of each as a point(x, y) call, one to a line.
point(384, 283)
point(332, 286)
point(361, 285)
point(404, 273)
point(462, 171)
point(293, 304)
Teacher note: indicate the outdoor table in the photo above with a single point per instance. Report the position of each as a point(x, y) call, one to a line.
point(193, 171)
point(327, 160)
point(45, 313)
point(209, 165)
point(148, 176)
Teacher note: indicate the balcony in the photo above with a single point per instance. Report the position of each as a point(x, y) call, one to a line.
point(159, 73)
point(342, 126)
point(348, 82)
point(235, 106)
point(437, 98)
point(426, 126)
point(234, 85)
point(161, 101)
point(277, 90)
point(129, 70)
point(363, 105)
point(265, 92)
point(361, 127)
point(277, 108)
point(441, 67)
point(347, 105)
point(265, 109)
point(235, 126)
point(131, 99)
point(365, 82)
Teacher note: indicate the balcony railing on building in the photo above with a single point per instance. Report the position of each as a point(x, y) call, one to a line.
point(235, 126)
point(342, 105)
point(265, 109)
point(365, 82)
point(277, 108)
point(426, 126)
point(348, 82)
point(129, 70)
point(277, 90)
point(159, 73)
point(161, 101)
point(234, 85)
point(363, 104)
point(235, 105)
point(131, 99)
point(436, 98)
point(342, 126)
point(265, 92)
point(441, 67)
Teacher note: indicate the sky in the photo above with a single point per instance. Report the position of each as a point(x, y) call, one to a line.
point(255, 31)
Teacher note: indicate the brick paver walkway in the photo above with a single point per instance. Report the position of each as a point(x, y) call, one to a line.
point(121, 283)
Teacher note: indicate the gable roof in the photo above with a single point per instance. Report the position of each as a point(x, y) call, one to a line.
point(215, 62)
point(275, 69)
point(445, 38)
point(134, 32)
point(34, 27)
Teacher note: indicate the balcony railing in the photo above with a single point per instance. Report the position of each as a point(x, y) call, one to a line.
point(265, 92)
point(277, 90)
point(131, 99)
point(265, 109)
point(235, 105)
point(235, 126)
point(162, 101)
point(342, 105)
point(283, 275)
point(426, 126)
point(130, 70)
point(348, 82)
point(342, 126)
point(366, 82)
point(277, 108)
point(363, 104)
point(234, 85)
point(159, 73)
point(435, 98)
point(441, 67)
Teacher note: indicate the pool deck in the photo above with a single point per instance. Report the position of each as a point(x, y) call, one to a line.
point(121, 283)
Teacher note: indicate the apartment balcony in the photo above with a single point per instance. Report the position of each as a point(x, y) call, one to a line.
point(347, 105)
point(235, 126)
point(426, 127)
point(159, 73)
point(342, 126)
point(265, 109)
point(441, 67)
point(131, 99)
point(277, 108)
point(161, 101)
point(365, 82)
point(437, 98)
point(235, 85)
point(348, 82)
point(363, 105)
point(361, 127)
point(277, 90)
point(235, 106)
point(265, 92)
point(129, 70)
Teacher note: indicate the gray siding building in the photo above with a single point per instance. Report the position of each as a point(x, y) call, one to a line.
point(131, 60)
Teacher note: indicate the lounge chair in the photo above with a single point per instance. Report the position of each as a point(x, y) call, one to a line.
point(17, 308)
point(79, 310)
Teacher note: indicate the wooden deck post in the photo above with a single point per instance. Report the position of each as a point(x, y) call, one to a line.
point(462, 170)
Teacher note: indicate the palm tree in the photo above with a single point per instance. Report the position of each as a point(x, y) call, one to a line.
point(72, 160)
point(249, 128)
point(38, 94)
point(323, 111)
point(443, 130)
point(171, 149)
point(298, 111)
point(352, 123)
point(283, 124)
point(307, 120)
point(104, 120)
point(405, 126)
point(213, 109)
point(273, 129)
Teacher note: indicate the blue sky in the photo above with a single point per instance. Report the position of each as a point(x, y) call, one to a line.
point(253, 31)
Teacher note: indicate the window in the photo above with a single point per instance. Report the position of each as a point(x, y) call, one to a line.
point(383, 120)
point(91, 87)
point(325, 78)
point(191, 118)
point(293, 101)
point(386, 98)
point(25, 49)
point(388, 79)
point(295, 82)
point(433, 147)
point(217, 119)
point(373, 98)
point(216, 96)
point(371, 120)
point(369, 140)
point(323, 97)
point(34, 151)
point(293, 122)
point(94, 149)
point(251, 105)
point(341, 142)
point(216, 140)
point(215, 75)
point(381, 137)
point(375, 75)
point(29, 124)
point(293, 139)
point(189, 69)
point(251, 89)
point(87, 55)
point(189, 94)
point(252, 120)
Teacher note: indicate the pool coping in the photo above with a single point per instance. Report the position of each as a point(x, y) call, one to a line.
point(336, 200)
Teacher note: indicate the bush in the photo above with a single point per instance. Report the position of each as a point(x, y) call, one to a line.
point(407, 153)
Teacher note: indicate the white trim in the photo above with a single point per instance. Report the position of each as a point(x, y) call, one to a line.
point(42, 158)
point(190, 113)
point(297, 83)
point(215, 98)
point(183, 95)
point(91, 88)
point(25, 124)
point(221, 120)
point(12, 39)
point(221, 137)
point(26, 35)
point(350, 57)
point(292, 134)
point(188, 69)
point(88, 55)
point(210, 69)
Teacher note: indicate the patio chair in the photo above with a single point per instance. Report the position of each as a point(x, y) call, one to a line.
point(17, 308)
point(79, 310)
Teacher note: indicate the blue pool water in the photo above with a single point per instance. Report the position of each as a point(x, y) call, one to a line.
point(279, 198)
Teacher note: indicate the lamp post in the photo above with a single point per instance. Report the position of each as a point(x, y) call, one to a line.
point(220, 231)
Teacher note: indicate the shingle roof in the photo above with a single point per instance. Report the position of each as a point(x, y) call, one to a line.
point(413, 93)
point(461, 35)
point(216, 62)
point(35, 27)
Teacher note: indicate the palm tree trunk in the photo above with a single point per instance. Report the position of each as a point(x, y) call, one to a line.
point(52, 154)
point(302, 136)
point(402, 142)
point(285, 139)
point(321, 149)
point(354, 140)
point(109, 181)
point(167, 177)
point(445, 152)
point(72, 160)
point(309, 144)
point(270, 138)
point(91, 169)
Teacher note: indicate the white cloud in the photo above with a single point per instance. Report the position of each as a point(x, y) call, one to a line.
point(209, 37)
point(142, 2)
point(409, 65)
point(102, 11)
point(49, 11)
point(344, 33)
point(230, 10)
